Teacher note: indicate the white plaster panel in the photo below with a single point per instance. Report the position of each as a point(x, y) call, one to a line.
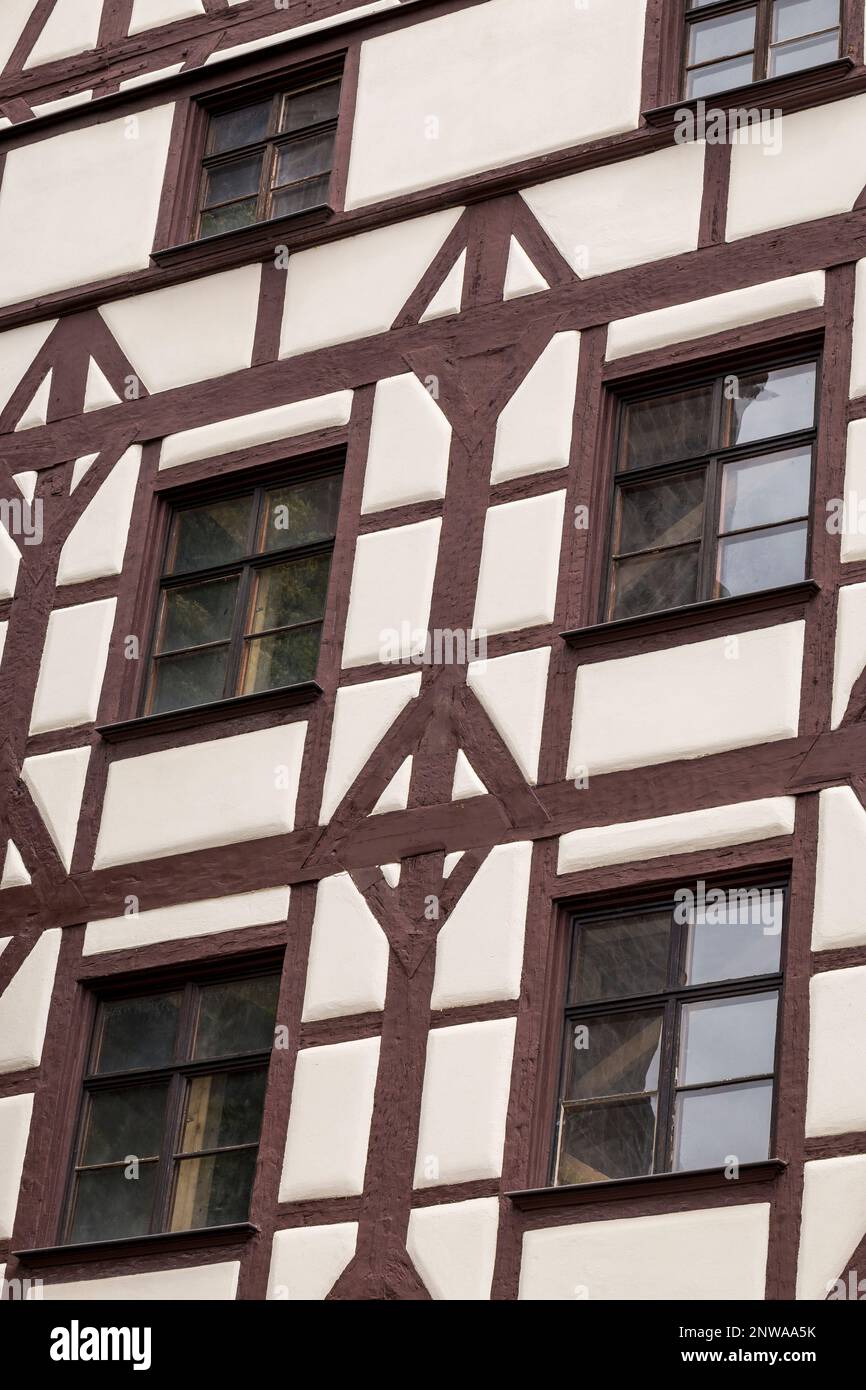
point(45, 108)
point(836, 1097)
point(149, 14)
point(72, 27)
point(15, 873)
point(839, 918)
point(512, 690)
point(850, 647)
point(687, 701)
point(73, 665)
point(453, 1247)
point(36, 411)
point(307, 1261)
point(681, 323)
point(18, 348)
point(96, 181)
point(626, 213)
point(329, 1122)
point(714, 828)
point(858, 354)
point(14, 14)
point(466, 783)
point(15, 1112)
point(347, 969)
point(410, 441)
point(10, 559)
point(833, 1222)
point(688, 1255)
point(141, 79)
point(395, 796)
point(533, 432)
point(449, 296)
point(300, 31)
point(354, 287)
point(24, 1005)
point(202, 918)
point(96, 545)
point(464, 1102)
point(363, 714)
point(853, 517)
point(519, 563)
point(56, 783)
point(479, 950)
point(98, 391)
point(522, 276)
point(204, 1283)
point(221, 792)
point(265, 426)
point(489, 85)
point(389, 601)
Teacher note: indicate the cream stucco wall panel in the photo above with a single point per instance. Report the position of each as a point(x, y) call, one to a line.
point(73, 665)
point(714, 828)
point(300, 31)
point(836, 1098)
point(479, 950)
point(347, 969)
point(533, 432)
point(853, 516)
point(449, 295)
point(453, 1247)
point(98, 391)
point(149, 14)
point(198, 1283)
point(679, 1255)
point(522, 276)
point(681, 323)
point(858, 346)
point(15, 1112)
point(410, 441)
point(26, 483)
point(223, 791)
point(15, 873)
point(512, 689)
point(464, 1102)
point(329, 1122)
point(96, 545)
point(24, 1005)
point(264, 427)
point(395, 796)
point(363, 715)
point(519, 564)
point(35, 412)
point(466, 783)
point(704, 697)
point(833, 1222)
point(10, 559)
point(307, 1261)
point(389, 601)
point(354, 287)
point(850, 647)
point(71, 27)
point(177, 335)
point(201, 918)
point(18, 348)
point(807, 164)
point(99, 181)
point(838, 919)
point(490, 85)
point(80, 467)
point(56, 783)
point(626, 213)
point(14, 14)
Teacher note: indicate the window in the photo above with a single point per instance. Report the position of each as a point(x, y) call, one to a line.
point(269, 158)
point(670, 1035)
point(712, 489)
point(172, 1109)
point(730, 43)
point(243, 593)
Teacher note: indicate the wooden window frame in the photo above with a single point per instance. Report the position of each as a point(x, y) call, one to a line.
point(763, 40)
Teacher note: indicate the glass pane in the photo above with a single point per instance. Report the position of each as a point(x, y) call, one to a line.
point(722, 36)
point(607, 1141)
point(651, 583)
point(198, 613)
point(804, 53)
point(301, 158)
point(617, 1055)
point(137, 1033)
point(229, 218)
point(666, 513)
point(301, 514)
point(726, 1038)
point(235, 180)
point(109, 1205)
point(237, 1017)
point(223, 1110)
point(300, 196)
point(211, 535)
point(721, 77)
point(242, 127)
point(794, 18)
point(195, 679)
point(310, 107)
point(756, 492)
point(285, 658)
point(768, 403)
point(124, 1124)
point(213, 1191)
point(666, 428)
point(714, 1126)
point(290, 593)
point(762, 560)
point(621, 956)
point(734, 933)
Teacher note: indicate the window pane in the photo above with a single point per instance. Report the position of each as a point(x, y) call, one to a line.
point(611, 1140)
point(756, 492)
point(124, 1123)
point(211, 535)
point(301, 514)
point(722, 36)
point(310, 107)
point(301, 158)
point(300, 196)
point(720, 77)
point(137, 1033)
point(223, 1110)
point(649, 584)
point(195, 679)
point(285, 658)
point(804, 53)
point(290, 593)
point(726, 1038)
point(714, 1126)
point(237, 1017)
point(794, 18)
point(198, 613)
point(109, 1205)
point(242, 127)
point(213, 1191)
point(665, 513)
point(229, 218)
point(621, 956)
point(770, 403)
point(666, 428)
point(235, 180)
point(613, 1056)
point(740, 937)
point(762, 560)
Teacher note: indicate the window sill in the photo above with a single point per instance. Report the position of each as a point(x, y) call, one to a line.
point(285, 697)
point(257, 240)
point(200, 1238)
point(671, 620)
point(809, 87)
point(655, 1185)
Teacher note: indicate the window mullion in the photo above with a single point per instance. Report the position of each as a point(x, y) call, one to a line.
point(161, 1215)
point(667, 1090)
point(763, 32)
